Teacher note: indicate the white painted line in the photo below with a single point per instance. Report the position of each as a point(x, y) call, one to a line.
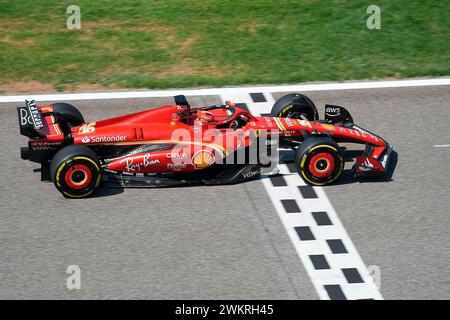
point(227, 91)
point(442, 146)
point(319, 247)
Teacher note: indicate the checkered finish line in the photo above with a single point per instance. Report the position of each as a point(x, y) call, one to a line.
point(321, 241)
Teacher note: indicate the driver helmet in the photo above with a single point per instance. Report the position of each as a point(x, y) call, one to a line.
point(204, 117)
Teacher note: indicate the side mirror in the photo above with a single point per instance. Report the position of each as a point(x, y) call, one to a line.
point(337, 115)
point(181, 100)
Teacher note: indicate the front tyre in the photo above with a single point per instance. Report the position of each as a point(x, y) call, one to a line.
point(295, 105)
point(319, 161)
point(75, 171)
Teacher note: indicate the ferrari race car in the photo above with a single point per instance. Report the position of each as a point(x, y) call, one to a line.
point(178, 144)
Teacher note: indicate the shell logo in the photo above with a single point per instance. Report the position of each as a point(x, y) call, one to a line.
point(203, 159)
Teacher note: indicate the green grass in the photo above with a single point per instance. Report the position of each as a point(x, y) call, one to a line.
point(160, 44)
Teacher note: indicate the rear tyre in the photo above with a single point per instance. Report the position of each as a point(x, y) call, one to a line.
point(295, 105)
point(69, 113)
point(319, 161)
point(75, 171)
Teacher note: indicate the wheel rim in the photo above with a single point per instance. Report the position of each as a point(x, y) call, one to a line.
point(78, 177)
point(295, 114)
point(322, 165)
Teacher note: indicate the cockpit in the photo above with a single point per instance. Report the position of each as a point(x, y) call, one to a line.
point(221, 117)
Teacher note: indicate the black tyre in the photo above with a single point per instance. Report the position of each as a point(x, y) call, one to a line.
point(295, 105)
point(319, 161)
point(69, 113)
point(75, 171)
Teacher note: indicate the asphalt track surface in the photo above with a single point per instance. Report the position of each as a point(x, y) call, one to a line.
point(227, 242)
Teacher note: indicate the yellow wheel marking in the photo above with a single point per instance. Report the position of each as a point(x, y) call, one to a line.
point(303, 163)
point(286, 109)
point(88, 159)
point(312, 149)
point(58, 172)
point(322, 146)
point(312, 182)
point(78, 196)
point(78, 158)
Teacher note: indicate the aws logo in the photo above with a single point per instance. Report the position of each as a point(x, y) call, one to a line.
point(333, 111)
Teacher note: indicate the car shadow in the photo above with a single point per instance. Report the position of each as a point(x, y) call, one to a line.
point(107, 191)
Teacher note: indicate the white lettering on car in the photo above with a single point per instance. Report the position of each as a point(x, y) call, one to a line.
point(251, 174)
point(130, 164)
point(87, 128)
point(24, 117)
point(103, 139)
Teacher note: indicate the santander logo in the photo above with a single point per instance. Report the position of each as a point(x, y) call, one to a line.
point(103, 139)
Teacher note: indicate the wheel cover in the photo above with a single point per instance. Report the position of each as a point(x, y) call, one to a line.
point(78, 177)
point(322, 165)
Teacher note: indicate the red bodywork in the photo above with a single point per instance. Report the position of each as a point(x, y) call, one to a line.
point(197, 144)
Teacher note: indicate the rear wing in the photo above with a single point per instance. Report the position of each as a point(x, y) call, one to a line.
point(30, 120)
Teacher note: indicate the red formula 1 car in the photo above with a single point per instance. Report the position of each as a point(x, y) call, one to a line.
point(177, 144)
